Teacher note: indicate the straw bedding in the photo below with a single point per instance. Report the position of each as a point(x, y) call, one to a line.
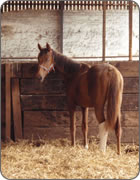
point(56, 159)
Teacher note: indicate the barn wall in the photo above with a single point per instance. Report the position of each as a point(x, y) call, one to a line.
point(44, 105)
point(82, 32)
point(22, 31)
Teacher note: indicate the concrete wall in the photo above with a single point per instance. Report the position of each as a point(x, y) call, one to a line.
point(21, 31)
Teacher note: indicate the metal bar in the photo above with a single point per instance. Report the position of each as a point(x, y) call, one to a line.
point(86, 57)
point(130, 30)
point(61, 24)
point(104, 29)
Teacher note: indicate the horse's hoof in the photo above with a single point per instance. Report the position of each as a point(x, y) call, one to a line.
point(86, 146)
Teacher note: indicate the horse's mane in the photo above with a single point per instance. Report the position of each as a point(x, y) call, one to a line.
point(66, 63)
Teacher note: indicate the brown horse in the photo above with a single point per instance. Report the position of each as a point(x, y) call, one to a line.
point(87, 87)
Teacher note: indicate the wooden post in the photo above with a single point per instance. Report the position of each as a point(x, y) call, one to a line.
point(16, 109)
point(104, 29)
point(130, 29)
point(8, 101)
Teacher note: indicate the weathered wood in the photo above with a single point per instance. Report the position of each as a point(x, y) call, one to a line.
point(16, 70)
point(8, 101)
point(38, 102)
point(130, 134)
point(3, 101)
point(128, 69)
point(131, 85)
point(49, 86)
point(16, 109)
point(130, 102)
point(62, 119)
point(55, 132)
point(29, 70)
point(53, 86)
point(44, 102)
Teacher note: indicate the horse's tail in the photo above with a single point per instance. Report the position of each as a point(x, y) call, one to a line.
point(114, 100)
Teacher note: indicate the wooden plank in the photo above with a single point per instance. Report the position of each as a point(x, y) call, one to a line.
point(128, 69)
point(55, 132)
point(16, 70)
point(129, 135)
point(38, 102)
point(130, 29)
point(16, 109)
point(62, 119)
point(44, 102)
point(8, 101)
point(49, 86)
point(130, 102)
point(53, 86)
point(131, 85)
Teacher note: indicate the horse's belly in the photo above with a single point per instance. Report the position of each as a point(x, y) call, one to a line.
point(83, 98)
point(84, 101)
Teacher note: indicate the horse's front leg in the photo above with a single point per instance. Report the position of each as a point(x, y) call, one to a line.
point(85, 126)
point(72, 126)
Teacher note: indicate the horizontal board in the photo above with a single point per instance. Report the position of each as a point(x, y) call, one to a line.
point(52, 86)
point(29, 70)
point(127, 68)
point(49, 86)
point(131, 85)
point(129, 134)
point(40, 102)
point(62, 119)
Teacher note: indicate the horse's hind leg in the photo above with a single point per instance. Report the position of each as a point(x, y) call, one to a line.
point(103, 132)
point(118, 132)
point(72, 126)
point(85, 126)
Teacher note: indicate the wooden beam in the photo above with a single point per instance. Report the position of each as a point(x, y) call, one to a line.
point(8, 101)
point(104, 29)
point(130, 29)
point(16, 109)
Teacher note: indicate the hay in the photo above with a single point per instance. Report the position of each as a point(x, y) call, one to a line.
point(56, 159)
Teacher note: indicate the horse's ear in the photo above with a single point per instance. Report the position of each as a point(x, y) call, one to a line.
point(39, 47)
point(48, 47)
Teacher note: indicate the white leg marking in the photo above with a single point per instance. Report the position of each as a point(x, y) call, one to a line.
point(86, 146)
point(103, 134)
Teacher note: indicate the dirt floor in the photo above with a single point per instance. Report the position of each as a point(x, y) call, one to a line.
point(56, 159)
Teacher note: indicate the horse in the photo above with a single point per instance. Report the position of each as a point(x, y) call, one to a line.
point(87, 86)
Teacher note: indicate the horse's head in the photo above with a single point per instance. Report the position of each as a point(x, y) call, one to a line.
point(45, 61)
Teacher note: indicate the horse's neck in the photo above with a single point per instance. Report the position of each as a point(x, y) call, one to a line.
point(62, 66)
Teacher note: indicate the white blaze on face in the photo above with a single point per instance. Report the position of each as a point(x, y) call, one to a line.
point(43, 74)
point(103, 134)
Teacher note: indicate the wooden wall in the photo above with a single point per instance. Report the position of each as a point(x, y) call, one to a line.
point(44, 106)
